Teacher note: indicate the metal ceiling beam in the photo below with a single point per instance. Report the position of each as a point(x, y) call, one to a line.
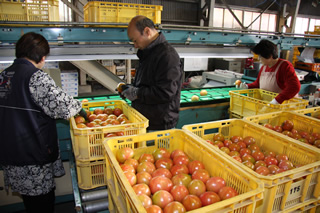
point(73, 8)
point(234, 15)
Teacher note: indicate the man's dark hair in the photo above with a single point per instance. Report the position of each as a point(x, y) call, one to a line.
point(143, 23)
point(266, 48)
point(32, 46)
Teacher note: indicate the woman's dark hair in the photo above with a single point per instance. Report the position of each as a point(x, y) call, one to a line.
point(32, 46)
point(266, 48)
point(143, 23)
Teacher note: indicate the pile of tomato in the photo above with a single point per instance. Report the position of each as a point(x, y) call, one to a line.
point(287, 128)
point(246, 151)
point(102, 117)
point(171, 182)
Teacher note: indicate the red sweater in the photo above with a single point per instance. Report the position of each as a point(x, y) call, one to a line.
point(287, 80)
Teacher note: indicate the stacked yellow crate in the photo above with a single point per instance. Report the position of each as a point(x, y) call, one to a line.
point(87, 142)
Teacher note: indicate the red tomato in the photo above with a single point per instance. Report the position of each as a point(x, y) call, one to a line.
point(249, 140)
point(181, 160)
point(196, 187)
point(254, 147)
point(244, 151)
point(164, 163)
point(191, 202)
point(262, 170)
point(271, 161)
point(117, 111)
point(133, 162)
point(218, 137)
point(236, 139)
point(234, 147)
point(227, 192)
point(195, 165)
point(178, 169)
point(287, 133)
point(124, 153)
point(108, 111)
point(153, 209)
point(127, 168)
point(287, 125)
point(259, 163)
point(141, 188)
point(242, 144)
point(146, 166)
point(102, 117)
point(237, 158)
point(161, 198)
point(208, 198)
point(269, 126)
point(281, 157)
point(227, 143)
point(317, 143)
point(81, 125)
point(143, 177)
point(219, 144)
point(79, 119)
point(269, 153)
point(181, 179)
point(146, 157)
point(131, 177)
point(98, 111)
point(294, 131)
point(214, 184)
point(248, 157)
point(145, 200)
point(177, 152)
point(274, 169)
point(286, 165)
point(201, 174)
point(160, 183)
point(162, 172)
point(160, 153)
point(277, 129)
point(258, 155)
point(174, 207)
point(316, 135)
point(179, 192)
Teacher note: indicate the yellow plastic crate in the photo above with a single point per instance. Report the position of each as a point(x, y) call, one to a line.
point(29, 10)
point(313, 112)
point(283, 192)
point(317, 28)
point(300, 122)
point(113, 12)
point(249, 188)
point(251, 102)
point(87, 142)
point(91, 174)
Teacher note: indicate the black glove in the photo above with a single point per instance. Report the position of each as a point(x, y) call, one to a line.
point(123, 87)
point(83, 113)
point(131, 93)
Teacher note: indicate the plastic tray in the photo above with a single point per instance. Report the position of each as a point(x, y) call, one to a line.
point(283, 192)
point(251, 102)
point(249, 188)
point(113, 12)
point(31, 10)
point(87, 142)
point(91, 174)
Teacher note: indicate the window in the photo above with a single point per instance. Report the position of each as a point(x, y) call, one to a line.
point(223, 18)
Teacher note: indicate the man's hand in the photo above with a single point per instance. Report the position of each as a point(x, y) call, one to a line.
point(243, 85)
point(131, 93)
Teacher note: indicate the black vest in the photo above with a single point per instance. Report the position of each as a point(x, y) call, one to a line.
point(27, 135)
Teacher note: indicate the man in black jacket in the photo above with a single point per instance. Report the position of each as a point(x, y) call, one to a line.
point(155, 92)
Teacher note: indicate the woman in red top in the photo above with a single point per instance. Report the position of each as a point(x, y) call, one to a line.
point(276, 75)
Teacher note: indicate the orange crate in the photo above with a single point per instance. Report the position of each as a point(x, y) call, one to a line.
point(249, 188)
point(87, 142)
point(315, 67)
point(283, 192)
